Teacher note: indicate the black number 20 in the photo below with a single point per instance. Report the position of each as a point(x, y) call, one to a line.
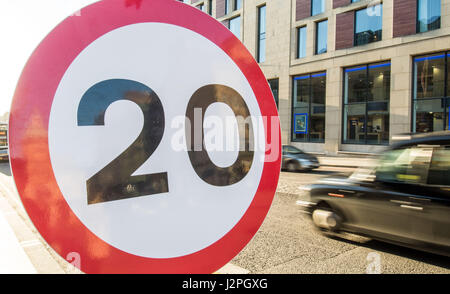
point(115, 180)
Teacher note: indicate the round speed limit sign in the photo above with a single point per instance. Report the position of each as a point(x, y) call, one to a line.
point(144, 138)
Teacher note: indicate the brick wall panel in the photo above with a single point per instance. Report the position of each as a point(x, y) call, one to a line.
point(302, 9)
point(340, 3)
point(405, 14)
point(220, 8)
point(345, 30)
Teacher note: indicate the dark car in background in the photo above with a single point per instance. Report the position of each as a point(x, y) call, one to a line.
point(405, 199)
point(295, 159)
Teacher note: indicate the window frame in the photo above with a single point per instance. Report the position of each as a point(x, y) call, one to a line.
point(277, 98)
point(235, 5)
point(354, 25)
point(210, 4)
point(240, 25)
point(201, 6)
point(317, 36)
point(312, 8)
point(417, 19)
point(366, 102)
point(259, 34)
point(297, 54)
point(227, 7)
point(445, 98)
point(308, 133)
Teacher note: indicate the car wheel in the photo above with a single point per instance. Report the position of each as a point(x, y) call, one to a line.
point(292, 167)
point(324, 217)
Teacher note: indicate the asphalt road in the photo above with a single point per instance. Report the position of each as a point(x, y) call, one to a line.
point(287, 242)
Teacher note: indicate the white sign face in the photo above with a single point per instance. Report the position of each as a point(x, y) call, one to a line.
point(193, 214)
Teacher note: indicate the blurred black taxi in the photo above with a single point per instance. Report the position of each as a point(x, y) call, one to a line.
point(404, 200)
point(295, 159)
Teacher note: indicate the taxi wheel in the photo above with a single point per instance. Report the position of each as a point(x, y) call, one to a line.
point(326, 218)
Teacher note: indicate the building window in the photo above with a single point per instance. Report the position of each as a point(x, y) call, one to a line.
point(237, 4)
point(261, 54)
point(308, 108)
point(210, 7)
point(201, 7)
point(273, 83)
point(317, 7)
point(366, 104)
point(321, 36)
point(234, 25)
point(431, 93)
point(301, 42)
point(4, 134)
point(368, 25)
point(428, 15)
point(227, 7)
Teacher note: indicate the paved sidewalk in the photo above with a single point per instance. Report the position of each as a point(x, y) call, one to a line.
point(20, 243)
point(13, 259)
point(347, 161)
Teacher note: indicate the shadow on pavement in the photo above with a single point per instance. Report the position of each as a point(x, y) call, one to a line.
point(5, 168)
point(321, 172)
point(328, 172)
point(421, 256)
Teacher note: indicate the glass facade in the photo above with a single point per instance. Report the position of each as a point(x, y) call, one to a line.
point(431, 94)
point(301, 42)
point(227, 6)
point(273, 83)
point(201, 7)
point(261, 56)
point(366, 104)
point(235, 26)
point(317, 7)
point(3, 136)
point(237, 4)
point(428, 15)
point(308, 108)
point(321, 36)
point(368, 25)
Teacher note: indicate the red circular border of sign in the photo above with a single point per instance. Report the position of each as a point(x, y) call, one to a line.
point(28, 138)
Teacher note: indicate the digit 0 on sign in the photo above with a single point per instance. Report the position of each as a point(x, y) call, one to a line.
point(202, 164)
